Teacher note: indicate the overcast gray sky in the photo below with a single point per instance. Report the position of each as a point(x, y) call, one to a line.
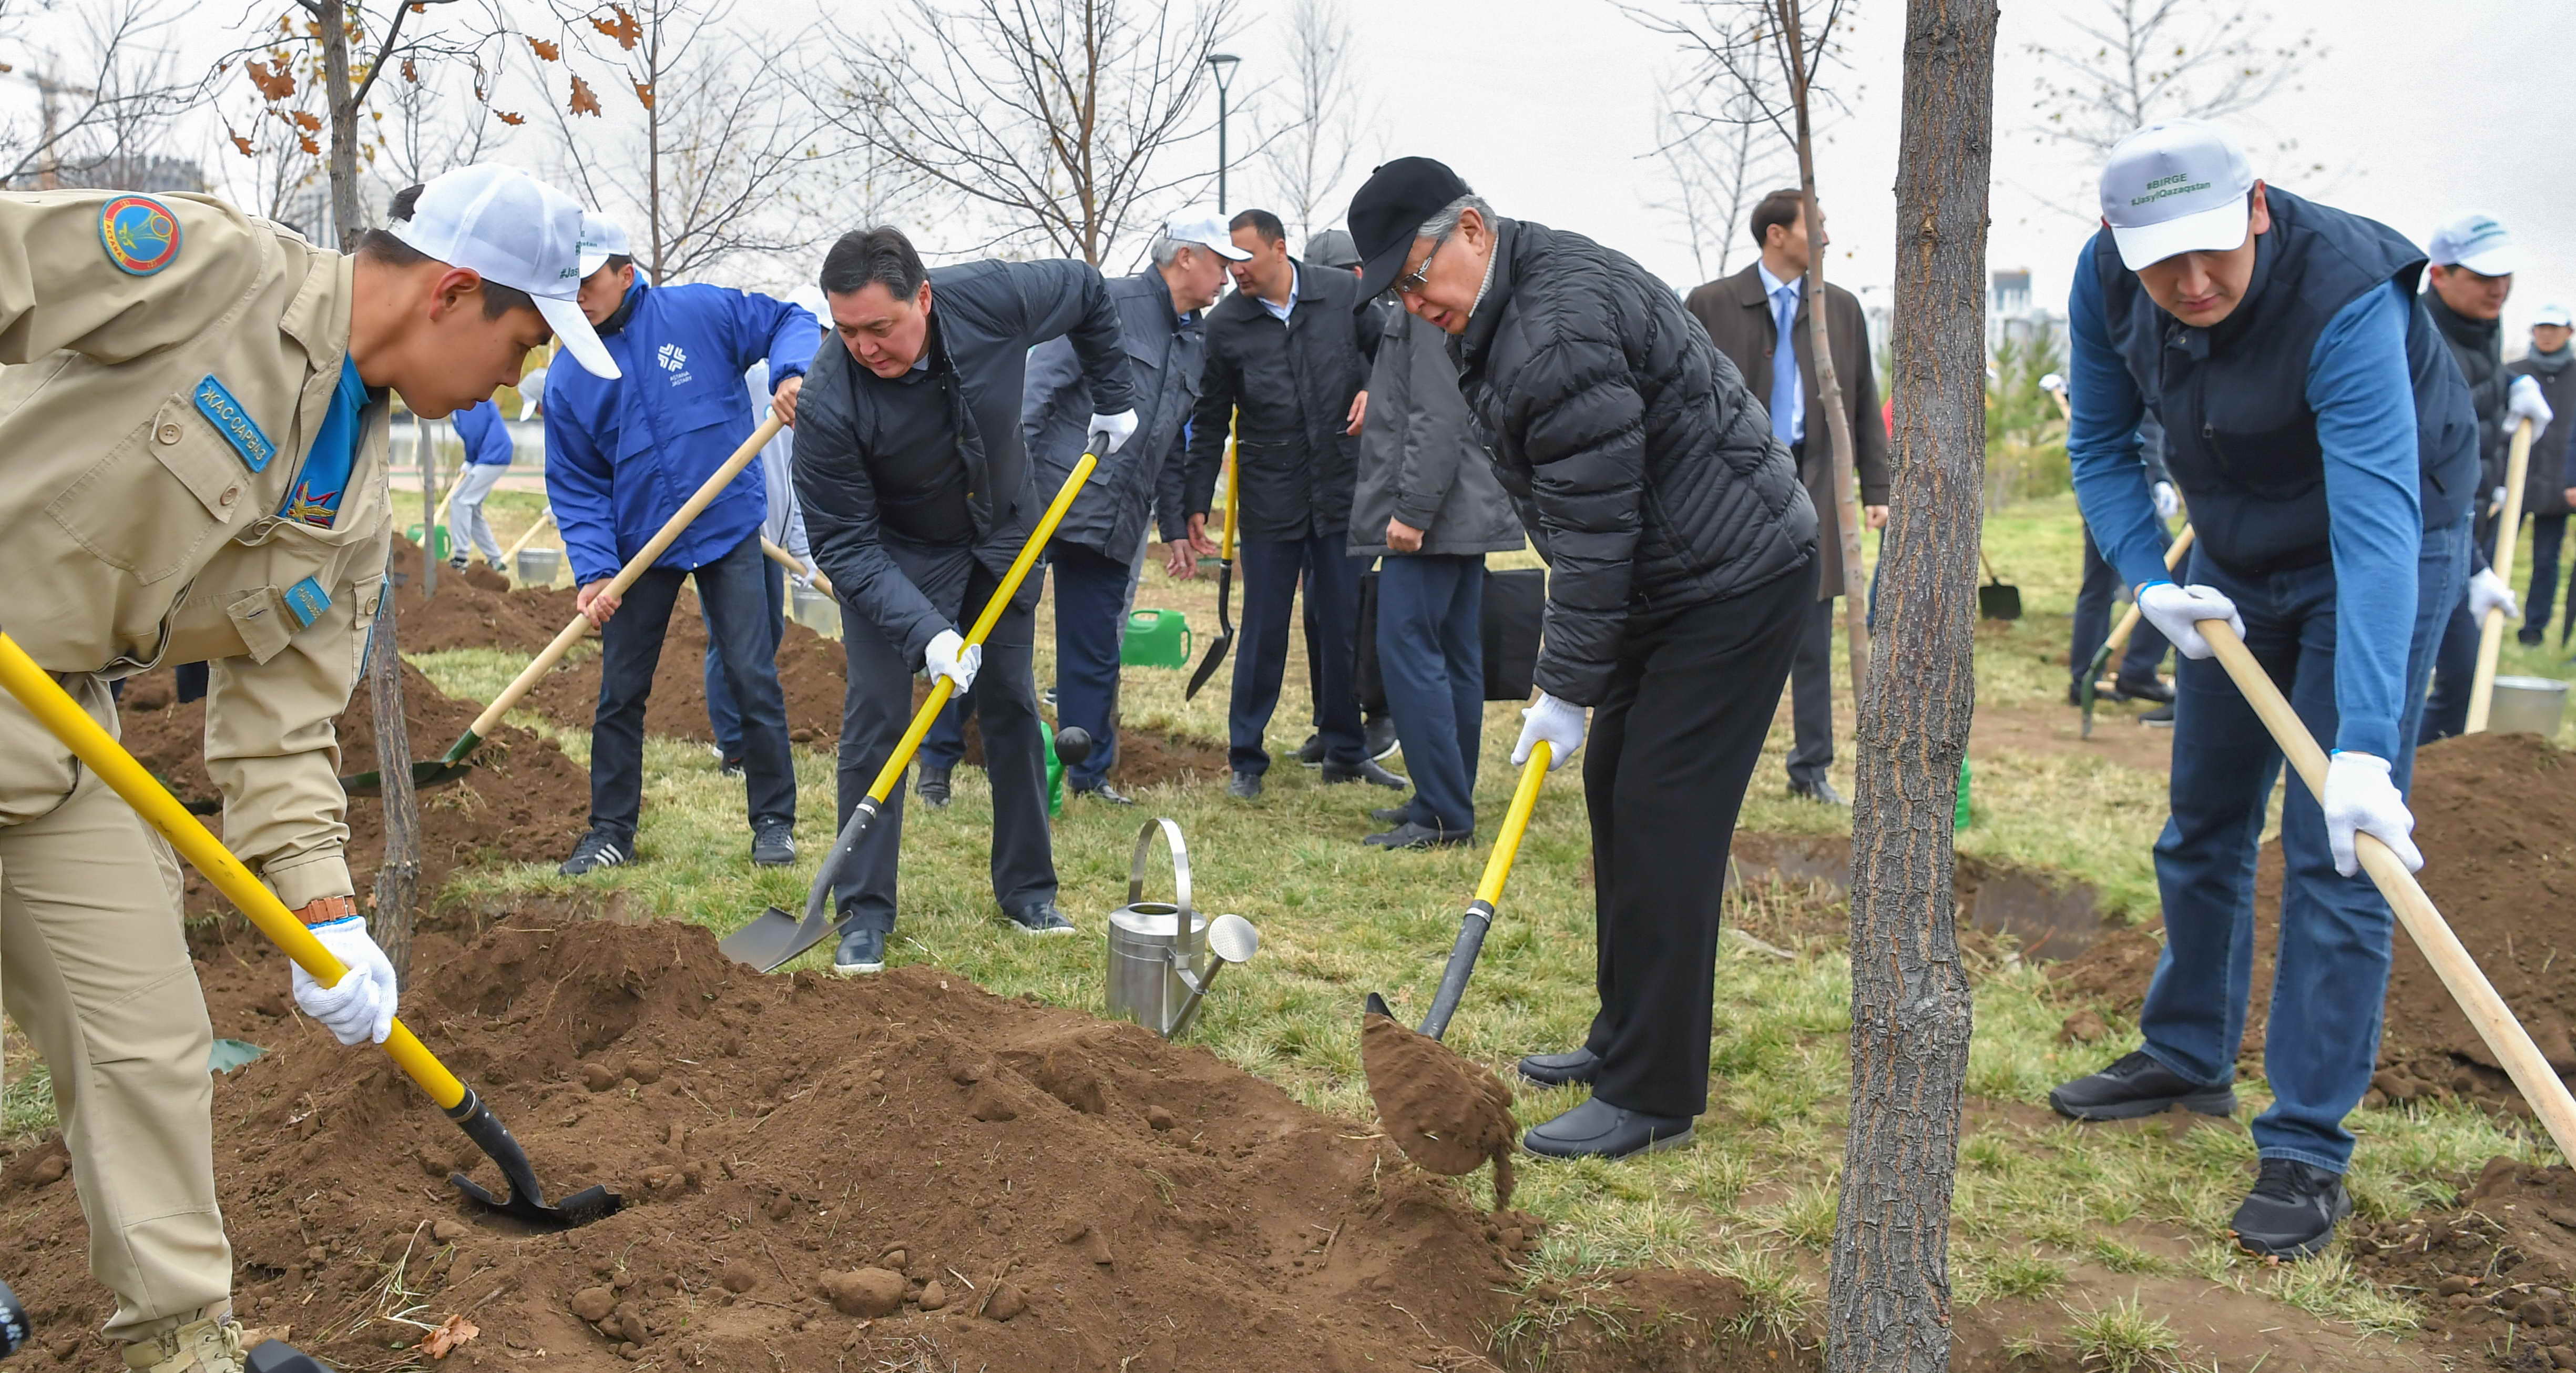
point(1547, 106)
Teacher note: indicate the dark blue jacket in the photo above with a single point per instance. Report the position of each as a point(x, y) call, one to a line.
point(985, 317)
point(622, 456)
point(486, 438)
point(1166, 355)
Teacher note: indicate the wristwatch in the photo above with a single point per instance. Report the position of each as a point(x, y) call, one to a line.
point(324, 910)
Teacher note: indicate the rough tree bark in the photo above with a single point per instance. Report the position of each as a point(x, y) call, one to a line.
point(1889, 1302)
point(1829, 386)
point(398, 877)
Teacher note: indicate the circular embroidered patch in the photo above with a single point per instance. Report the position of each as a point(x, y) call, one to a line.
point(140, 233)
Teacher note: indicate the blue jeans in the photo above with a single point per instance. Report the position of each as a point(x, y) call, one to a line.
point(1431, 651)
point(722, 715)
point(1270, 572)
point(2331, 978)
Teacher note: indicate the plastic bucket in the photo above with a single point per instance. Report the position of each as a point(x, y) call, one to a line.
point(1156, 638)
point(2527, 705)
point(538, 566)
point(814, 610)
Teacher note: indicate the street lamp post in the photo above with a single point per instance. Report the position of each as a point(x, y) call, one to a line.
point(1223, 64)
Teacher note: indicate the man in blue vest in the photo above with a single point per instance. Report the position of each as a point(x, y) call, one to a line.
point(621, 458)
point(487, 457)
point(2324, 440)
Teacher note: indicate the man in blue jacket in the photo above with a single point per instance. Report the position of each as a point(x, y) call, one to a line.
point(918, 493)
point(2325, 442)
point(621, 457)
point(487, 456)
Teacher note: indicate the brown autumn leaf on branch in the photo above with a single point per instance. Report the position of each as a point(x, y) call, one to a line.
point(513, 120)
point(453, 1331)
point(410, 72)
point(242, 143)
point(620, 26)
point(308, 121)
point(583, 101)
point(644, 92)
point(544, 49)
point(273, 83)
point(311, 148)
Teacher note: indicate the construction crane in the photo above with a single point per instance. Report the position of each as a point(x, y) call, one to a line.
point(49, 92)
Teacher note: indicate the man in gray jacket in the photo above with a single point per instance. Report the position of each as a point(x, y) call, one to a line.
point(1428, 501)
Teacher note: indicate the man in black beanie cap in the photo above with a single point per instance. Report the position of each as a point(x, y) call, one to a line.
point(1681, 548)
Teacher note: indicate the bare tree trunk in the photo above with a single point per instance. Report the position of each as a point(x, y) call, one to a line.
point(427, 456)
point(334, 19)
point(1889, 1301)
point(398, 878)
point(1829, 386)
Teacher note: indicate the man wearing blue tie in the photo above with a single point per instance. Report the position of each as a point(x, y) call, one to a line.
point(1758, 320)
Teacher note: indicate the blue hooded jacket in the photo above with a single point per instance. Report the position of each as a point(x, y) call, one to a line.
point(622, 456)
point(486, 438)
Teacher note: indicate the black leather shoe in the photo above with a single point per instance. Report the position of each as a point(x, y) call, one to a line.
point(728, 767)
point(933, 787)
point(2527, 637)
point(1365, 770)
point(1819, 791)
point(2136, 1086)
point(1105, 793)
point(1412, 836)
point(2154, 691)
point(860, 951)
point(1042, 918)
point(1556, 1070)
point(2159, 718)
point(1392, 815)
point(1311, 752)
point(1597, 1129)
point(1246, 786)
point(1381, 742)
point(773, 846)
point(2292, 1211)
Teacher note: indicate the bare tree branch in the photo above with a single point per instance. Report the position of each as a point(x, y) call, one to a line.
point(2132, 62)
point(102, 109)
point(1051, 118)
point(1309, 155)
point(1716, 167)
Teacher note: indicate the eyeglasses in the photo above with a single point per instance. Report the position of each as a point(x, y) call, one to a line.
point(1411, 283)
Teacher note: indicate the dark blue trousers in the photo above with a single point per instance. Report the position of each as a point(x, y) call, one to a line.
point(1270, 573)
point(722, 715)
point(630, 648)
point(2455, 670)
point(1431, 651)
point(2093, 603)
point(2547, 533)
point(1090, 600)
point(2331, 978)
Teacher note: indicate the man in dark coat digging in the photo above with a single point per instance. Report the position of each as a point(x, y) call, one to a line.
point(1682, 555)
point(915, 479)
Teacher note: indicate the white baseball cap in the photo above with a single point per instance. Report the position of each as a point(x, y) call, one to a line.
point(2553, 314)
point(1202, 227)
point(515, 230)
point(601, 239)
point(2176, 186)
point(2473, 239)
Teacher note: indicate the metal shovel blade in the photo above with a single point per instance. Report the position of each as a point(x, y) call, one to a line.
point(1224, 632)
point(526, 1202)
point(773, 937)
point(425, 775)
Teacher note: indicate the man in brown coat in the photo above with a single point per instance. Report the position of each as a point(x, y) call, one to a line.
point(1746, 315)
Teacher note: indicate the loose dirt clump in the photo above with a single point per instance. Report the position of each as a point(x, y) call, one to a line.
point(2493, 1273)
point(524, 801)
point(897, 1171)
point(2500, 863)
point(1447, 1112)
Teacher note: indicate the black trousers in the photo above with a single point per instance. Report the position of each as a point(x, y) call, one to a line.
point(2093, 603)
point(2547, 533)
point(1005, 702)
point(1811, 696)
point(1270, 573)
point(630, 649)
point(1664, 770)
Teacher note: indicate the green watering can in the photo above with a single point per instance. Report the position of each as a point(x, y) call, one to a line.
point(440, 552)
point(1156, 638)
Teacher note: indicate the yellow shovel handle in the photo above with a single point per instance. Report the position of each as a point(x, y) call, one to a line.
point(1507, 845)
point(65, 720)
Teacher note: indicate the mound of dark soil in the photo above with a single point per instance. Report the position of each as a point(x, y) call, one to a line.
point(892, 1172)
point(2494, 1272)
point(2491, 813)
point(473, 609)
point(524, 801)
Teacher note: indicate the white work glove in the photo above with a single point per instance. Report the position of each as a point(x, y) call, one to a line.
point(1119, 427)
point(2495, 501)
point(360, 1007)
point(805, 579)
point(2168, 501)
point(2052, 382)
point(950, 656)
point(2487, 591)
point(2523, 402)
point(2176, 612)
point(1560, 723)
point(2359, 797)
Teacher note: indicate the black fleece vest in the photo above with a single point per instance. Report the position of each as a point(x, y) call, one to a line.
point(2242, 442)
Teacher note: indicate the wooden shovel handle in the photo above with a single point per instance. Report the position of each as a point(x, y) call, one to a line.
point(2491, 632)
point(796, 566)
point(635, 567)
point(2128, 626)
point(544, 517)
point(2477, 997)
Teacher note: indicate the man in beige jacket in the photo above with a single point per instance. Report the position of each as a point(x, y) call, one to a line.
point(193, 412)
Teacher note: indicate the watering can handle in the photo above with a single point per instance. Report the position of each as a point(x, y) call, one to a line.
point(1171, 832)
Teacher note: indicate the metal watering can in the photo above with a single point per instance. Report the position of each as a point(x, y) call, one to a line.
point(1163, 956)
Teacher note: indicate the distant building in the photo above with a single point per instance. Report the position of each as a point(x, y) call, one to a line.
point(149, 173)
point(2010, 313)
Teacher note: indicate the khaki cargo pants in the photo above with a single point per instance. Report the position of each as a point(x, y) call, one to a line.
point(95, 969)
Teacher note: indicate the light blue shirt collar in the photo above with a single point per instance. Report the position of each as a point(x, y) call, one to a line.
point(1280, 312)
point(1771, 285)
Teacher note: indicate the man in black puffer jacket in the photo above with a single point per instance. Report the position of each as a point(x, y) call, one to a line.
point(1681, 548)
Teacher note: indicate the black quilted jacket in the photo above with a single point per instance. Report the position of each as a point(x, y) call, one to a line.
point(1644, 471)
